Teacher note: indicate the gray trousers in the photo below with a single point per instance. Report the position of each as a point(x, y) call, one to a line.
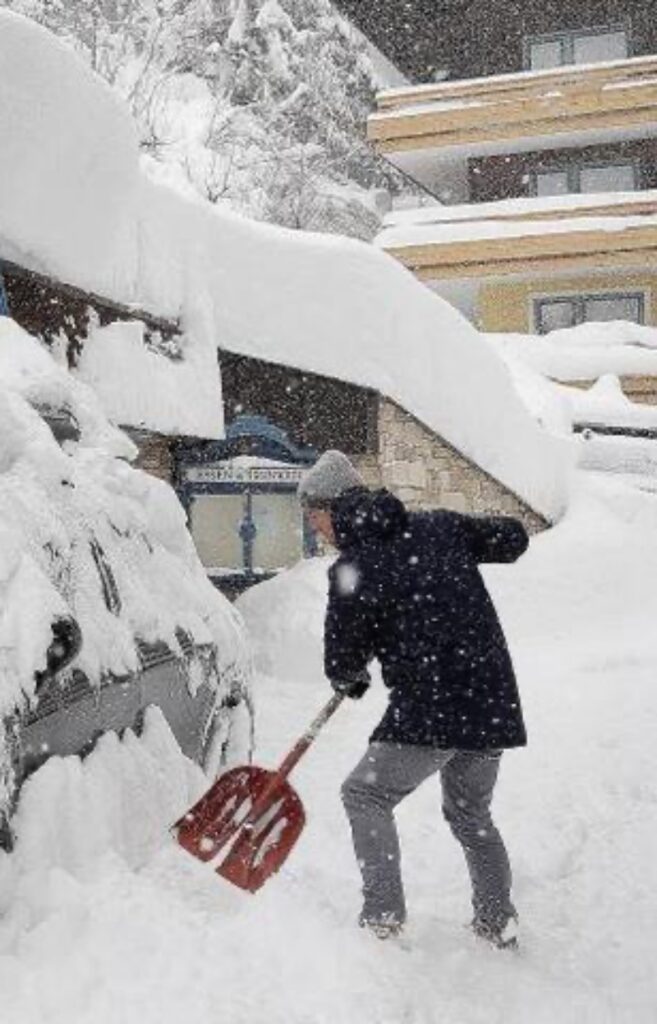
point(390, 771)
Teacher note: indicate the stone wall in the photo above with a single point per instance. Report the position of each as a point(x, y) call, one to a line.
point(369, 468)
point(155, 454)
point(426, 472)
point(640, 389)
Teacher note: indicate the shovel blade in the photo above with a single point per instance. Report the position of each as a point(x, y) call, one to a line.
point(219, 828)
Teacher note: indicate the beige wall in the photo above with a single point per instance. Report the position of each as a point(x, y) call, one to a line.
point(638, 389)
point(506, 306)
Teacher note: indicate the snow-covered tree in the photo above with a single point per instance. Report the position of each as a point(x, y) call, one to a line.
point(262, 103)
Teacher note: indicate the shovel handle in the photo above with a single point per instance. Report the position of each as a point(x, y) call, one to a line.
point(309, 736)
point(263, 801)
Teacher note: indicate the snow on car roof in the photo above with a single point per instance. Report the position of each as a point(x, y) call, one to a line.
point(59, 504)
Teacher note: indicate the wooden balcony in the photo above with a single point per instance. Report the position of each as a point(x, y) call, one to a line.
point(566, 106)
point(527, 237)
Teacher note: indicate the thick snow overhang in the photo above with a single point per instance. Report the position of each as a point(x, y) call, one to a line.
point(529, 110)
point(324, 304)
point(526, 237)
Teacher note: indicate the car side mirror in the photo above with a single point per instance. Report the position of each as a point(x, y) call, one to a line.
point(65, 646)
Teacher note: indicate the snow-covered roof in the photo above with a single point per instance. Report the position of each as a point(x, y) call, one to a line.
point(520, 208)
point(325, 304)
point(606, 404)
point(541, 218)
point(528, 110)
point(600, 352)
point(424, 94)
point(71, 202)
point(585, 352)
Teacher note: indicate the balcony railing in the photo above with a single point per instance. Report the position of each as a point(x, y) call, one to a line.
point(520, 237)
point(618, 97)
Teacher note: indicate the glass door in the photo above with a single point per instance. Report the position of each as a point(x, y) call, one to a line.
point(278, 535)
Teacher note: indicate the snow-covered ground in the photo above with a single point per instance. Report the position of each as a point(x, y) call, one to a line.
point(106, 921)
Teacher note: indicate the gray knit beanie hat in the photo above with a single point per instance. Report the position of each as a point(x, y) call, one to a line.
point(331, 476)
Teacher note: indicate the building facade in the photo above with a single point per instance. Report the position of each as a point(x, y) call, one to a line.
point(534, 127)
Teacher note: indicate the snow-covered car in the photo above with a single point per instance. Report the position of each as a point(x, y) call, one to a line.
point(104, 606)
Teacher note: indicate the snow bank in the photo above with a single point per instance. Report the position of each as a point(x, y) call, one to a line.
point(290, 604)
point(120, 800)
point(583, 353)
point(97, 887)
point(324, 304)
point(606, 403)
point(597, 352)
point(85, 534)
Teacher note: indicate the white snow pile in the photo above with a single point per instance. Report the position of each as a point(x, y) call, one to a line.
point(138, 387)
point(67, 164)
point(517, 218)
point(105, 920)
point(585, 352)
point(443, 233)
point(605, 402)
point(70, 189)
point(519, 208)
point(86, 535)
point(600, 353)
point(295, 602)
point(324, 304)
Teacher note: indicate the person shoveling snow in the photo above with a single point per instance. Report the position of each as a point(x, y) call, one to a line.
point(406, 590)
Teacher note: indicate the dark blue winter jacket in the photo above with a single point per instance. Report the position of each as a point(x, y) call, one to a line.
point(406, 589)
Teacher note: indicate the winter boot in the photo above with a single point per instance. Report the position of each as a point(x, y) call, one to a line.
point(385, 927)
point(500, 936)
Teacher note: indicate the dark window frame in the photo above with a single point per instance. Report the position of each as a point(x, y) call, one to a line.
point(566, 38)
point(579, 300)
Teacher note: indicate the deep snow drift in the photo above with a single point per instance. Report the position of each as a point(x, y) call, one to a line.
point(598, 356)
point(585, 352)
point(324, 304)
point(106, 921)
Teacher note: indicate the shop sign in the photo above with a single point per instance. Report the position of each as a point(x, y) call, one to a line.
point(235, 474)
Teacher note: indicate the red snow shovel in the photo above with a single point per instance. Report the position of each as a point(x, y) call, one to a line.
point(249, 820)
